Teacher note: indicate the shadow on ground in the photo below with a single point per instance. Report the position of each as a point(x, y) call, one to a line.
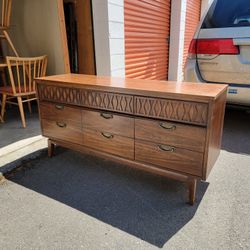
point(12, 131)
point(236, 132)
point(146, 206)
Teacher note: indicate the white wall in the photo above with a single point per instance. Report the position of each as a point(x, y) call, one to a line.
point(35, 31)
point(177, 31)
point(101, 36)
point(116, 37)
point(108, 22)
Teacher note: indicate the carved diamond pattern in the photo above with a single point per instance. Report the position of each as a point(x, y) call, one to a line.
point(183, 111)
point(86, 98)
point(190, 112)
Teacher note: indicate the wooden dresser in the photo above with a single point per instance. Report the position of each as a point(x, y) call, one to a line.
point(168, 128)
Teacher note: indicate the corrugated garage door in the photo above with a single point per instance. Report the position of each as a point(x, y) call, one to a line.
point(192, 20)
point(147, 31)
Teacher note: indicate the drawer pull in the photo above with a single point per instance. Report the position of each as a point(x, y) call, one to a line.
point(59, 106)
point(61, 124)
point(167, 126)
point(106, 116)
point(107, 135)
point(166, 148)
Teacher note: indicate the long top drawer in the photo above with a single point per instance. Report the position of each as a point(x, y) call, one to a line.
point(166, 109)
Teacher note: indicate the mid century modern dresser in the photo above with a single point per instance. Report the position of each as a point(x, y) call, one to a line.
point(168, 128)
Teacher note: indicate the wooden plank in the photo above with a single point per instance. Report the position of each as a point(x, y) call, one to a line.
point(86, 54)
point(63, 36)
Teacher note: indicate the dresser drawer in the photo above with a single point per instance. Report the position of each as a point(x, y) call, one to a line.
point(88, 98)
point(59, 112)
point(171, 110)
point(165, 156)
point(62, 130)
point(175, 134)
point(108, 122)
point(109, 143)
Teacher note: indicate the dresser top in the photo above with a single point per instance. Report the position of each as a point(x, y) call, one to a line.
point(156, 88)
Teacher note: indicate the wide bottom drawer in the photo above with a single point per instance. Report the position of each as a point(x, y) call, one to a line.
point(109, 143)
point(62, 130)
point(165, 156)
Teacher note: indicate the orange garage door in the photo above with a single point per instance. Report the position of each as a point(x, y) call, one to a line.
point(192, 20)
point(147, 31)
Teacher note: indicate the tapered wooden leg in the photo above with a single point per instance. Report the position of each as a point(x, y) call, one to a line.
point(10, 42)
point(3, 106)
point(3, 77)
point(50, 148)
point(192, 190)
point(29, 106)
point(20, 105)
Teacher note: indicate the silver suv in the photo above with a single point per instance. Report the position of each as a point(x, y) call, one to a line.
point(220, 49)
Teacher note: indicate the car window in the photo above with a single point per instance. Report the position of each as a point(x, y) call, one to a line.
point(228, 13)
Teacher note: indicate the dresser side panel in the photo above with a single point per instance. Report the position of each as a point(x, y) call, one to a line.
point(215, 131)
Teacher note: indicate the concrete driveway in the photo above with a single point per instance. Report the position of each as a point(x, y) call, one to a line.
point(75, 201)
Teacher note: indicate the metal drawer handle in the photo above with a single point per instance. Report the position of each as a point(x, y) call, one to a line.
point(107, 135)
point(106, 116)
point(61, 124)
point(166, 148)
point(59, 106)
point(168, 126)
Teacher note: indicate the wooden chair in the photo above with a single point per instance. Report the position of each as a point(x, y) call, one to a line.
point(5, 14)
point(22, 72)
point(6, 7)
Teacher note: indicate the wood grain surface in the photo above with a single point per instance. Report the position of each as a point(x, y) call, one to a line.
point(173, 110)
point(108, 122)
point(109, 143)
point(166, 89)
point(175, 134)
point(182, 160)
point(60, 112)
point(63, 130)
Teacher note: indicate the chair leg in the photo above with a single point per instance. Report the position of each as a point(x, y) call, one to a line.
point(20, 105)
point(29, 106)
point(3, 106)
point(3, 77)
point(10, 42)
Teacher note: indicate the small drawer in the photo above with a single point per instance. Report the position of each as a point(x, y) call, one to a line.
point(109, 143)
point(58, 112)
point(172, 110)
point(108, 122)
point(62, 130)
point(169, 157)
point(175, 134)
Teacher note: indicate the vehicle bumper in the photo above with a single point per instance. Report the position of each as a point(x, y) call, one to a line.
point(239, 94)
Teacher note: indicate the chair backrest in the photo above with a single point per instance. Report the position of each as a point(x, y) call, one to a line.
point(5, 6)
point(23, 70)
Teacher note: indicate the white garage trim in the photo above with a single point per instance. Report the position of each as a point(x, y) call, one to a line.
point(177, 30)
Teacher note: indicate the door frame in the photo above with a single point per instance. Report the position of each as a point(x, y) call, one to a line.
point(63, 34)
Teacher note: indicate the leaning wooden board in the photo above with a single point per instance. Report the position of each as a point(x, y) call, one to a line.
point(168, 128)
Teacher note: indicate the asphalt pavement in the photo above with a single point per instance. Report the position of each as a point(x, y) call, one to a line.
point(76, 201)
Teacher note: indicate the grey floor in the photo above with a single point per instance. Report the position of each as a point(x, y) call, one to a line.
point(75, 201)
point(11, 130)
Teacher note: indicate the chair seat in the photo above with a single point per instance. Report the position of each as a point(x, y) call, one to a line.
point(9, 91)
